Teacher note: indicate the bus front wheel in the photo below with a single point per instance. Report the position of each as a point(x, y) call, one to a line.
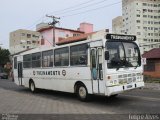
point(82, 93)
point(32, 87)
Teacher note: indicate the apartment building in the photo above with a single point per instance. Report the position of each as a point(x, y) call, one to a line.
point(117, 25)
point(61, 33)
point(142, 18)
point(21, 40)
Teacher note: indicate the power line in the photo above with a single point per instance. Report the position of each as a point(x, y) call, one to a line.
point(35, 22)
point(71, 7)
point(83, 12)
point(58, 11)
point(84, 6)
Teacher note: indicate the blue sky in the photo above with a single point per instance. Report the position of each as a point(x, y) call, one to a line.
point(25, 14)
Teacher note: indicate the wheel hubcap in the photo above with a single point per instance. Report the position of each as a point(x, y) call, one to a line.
point(82, 92)
point(32, 86)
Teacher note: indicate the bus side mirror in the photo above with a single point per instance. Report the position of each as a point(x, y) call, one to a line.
point(106, 55)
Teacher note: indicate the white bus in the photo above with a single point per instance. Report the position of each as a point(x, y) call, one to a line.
point(107, 65)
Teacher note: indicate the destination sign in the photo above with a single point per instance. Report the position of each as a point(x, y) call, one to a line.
point(121, 37)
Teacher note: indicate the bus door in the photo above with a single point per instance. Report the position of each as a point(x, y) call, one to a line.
point(97, 70)
point(20, 73)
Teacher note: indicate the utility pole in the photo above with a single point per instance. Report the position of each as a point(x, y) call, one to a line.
point(53, 23)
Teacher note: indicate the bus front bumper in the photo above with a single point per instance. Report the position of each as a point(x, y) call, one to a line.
point(112, 90)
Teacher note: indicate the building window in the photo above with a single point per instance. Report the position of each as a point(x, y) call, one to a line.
point(23, 34)
point(155, 5)
point(61, 57)
point(138, 21)
point(138, 33)
point(28, 35)
point(47, 58)
point(78, 54)
point(144, 4)
point(144, 10)
point(145, 28)
point(138, 27)
point(144, 39)
point(36, 60)
point(35, 36)
point(27, 61)
point(74, 35)
point(138, 15)
point(34, 42)
point(28, 42)
point(144, 16)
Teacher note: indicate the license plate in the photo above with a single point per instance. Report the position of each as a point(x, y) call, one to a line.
point(129, 86)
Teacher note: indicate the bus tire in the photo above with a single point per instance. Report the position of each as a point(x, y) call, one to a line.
point(82, 93)
point(114, 96)
point(32, 87)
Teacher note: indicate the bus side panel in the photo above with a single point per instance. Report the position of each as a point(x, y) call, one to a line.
point(60, 79)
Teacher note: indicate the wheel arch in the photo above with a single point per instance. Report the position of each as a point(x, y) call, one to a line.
point(31, 80)
point(76, 84)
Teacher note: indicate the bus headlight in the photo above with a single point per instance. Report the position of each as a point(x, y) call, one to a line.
point(139, 77)
point(112, 81)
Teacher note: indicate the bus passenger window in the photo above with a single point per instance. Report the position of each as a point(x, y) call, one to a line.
point(47, 58)
point(61, 57)
point(36, 60)
point(78, 54)
point(27, 61)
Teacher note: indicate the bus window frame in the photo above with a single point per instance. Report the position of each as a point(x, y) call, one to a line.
point(47, 59)
point(79, 65)
point(15, 65)
point(37, 59)
point(68, 57)
point(27, 61)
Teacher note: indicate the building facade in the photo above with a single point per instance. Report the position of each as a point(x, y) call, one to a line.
point(117, 25)
point(60, 33)
point(21, 40)
point(152, 68)
point(142, 18)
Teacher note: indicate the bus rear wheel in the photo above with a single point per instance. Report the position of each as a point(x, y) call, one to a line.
point(32, 87)
point(114, 96)
point(82, 93)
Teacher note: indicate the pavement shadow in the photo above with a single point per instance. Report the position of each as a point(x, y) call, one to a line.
point(63, 96)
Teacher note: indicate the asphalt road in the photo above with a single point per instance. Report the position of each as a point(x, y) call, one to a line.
point(19, 100)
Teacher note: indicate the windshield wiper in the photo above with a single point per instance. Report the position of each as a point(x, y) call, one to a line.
point(118, 65)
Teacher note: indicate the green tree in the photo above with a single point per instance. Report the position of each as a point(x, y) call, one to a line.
point(4, 56)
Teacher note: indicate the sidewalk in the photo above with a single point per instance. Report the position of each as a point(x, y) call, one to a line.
point(152, 86)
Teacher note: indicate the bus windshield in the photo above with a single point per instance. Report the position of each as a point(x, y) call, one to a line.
point(123, 54)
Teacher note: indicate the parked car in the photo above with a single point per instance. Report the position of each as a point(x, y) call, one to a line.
point(3, 75)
